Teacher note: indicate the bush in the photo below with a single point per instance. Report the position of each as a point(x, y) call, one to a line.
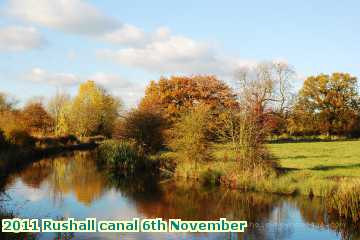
point(121, 155)
point(189, 136)
point(210, 177)
point(144, 127)
point(20, 138)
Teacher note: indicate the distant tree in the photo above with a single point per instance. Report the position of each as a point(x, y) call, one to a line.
point(6, 103)
point(56, 107)
point(145, 127)
point(328, 104)
point(171, 96)
point(266, 85)
point(93, 111)
point(36, 119)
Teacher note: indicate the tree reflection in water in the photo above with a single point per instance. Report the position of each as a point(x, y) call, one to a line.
point(267, 214)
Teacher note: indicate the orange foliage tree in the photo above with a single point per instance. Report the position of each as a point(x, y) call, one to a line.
point(173, 95)
point(327, 104)
point(36, 119)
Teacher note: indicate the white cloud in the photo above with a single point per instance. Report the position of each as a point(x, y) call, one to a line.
point(73, 16)
point(17, 38)
point(125, 35)
point(119, 86)
point(39, 75)
point(127, 90)
point(175, 54)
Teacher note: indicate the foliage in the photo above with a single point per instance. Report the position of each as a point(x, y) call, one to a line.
point(11, 121)
point(144, 127)
point(327, 104)
point(189, 136)
point(56, 108)
point(123, 156)
point(92, 112)
point(36, 119)
point(176, 94)
point(21, 139)
point(6, 104)
point(210, 177)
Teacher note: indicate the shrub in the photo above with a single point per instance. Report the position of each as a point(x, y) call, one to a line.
point(20, 138)
point(189, 136)
point(144, 127)
point(121, 155)
point(210, 177)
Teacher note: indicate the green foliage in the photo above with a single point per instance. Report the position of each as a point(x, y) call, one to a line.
point(189, 136)
point(211, 177)
point(123, 156)
point(144, 127)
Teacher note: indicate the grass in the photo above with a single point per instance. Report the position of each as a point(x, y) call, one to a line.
point(316, 167)
point(324, 169)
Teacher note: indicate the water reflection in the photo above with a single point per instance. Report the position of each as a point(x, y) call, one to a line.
point(74, 185)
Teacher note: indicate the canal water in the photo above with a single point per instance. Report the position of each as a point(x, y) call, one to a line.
point(74, 186)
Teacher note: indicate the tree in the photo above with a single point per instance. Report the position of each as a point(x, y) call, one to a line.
point(145, 127)
point(189, 138)
point(56, 107)
point(6, 104)
point(331, 102)
point(265, 90)
point(36, 119)
point(171, 96)
point(93, 111)
point(267, 85)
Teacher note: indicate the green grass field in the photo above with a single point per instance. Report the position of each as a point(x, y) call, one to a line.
point(316, 166)
point(312, 168)
point(328, 159)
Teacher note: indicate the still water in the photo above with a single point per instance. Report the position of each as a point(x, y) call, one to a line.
point(74, 186)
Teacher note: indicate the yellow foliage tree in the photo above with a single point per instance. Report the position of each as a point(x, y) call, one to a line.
point(93, 111)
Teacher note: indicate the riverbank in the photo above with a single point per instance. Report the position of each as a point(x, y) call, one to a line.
point(312, 168)
point(324, 169)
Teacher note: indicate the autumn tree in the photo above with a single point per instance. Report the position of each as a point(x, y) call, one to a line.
point(328, 104)
point(189, 138)
point(264, 90)
point(6, 103)
point(36, 119)
point(143, 126)
point(56, 108)
point(93, 111)
point(171, 96)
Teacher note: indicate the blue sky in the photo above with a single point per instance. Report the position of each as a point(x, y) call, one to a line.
point(46, 45)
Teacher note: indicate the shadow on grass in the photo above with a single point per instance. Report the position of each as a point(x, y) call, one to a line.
point(326, 168)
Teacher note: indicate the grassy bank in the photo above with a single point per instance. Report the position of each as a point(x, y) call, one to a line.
point(324, 169)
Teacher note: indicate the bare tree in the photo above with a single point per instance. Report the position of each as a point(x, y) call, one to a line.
point(267, 85)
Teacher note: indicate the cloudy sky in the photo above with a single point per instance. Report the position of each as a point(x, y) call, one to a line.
point(50, 45)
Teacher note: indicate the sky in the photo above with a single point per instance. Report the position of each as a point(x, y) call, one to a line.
point(53, 45)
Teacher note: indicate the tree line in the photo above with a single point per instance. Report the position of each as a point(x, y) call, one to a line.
point(260, 103)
